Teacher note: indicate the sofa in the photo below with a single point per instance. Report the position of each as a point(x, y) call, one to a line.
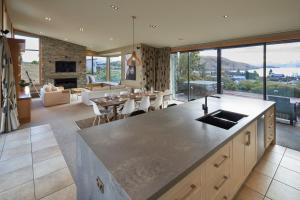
point(284, 106)
point(100, 92)
point(55, 97)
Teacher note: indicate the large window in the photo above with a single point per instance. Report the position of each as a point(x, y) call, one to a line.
point(115, 69)
point(30, 59)
point(242, 71)
point(194, 74)
point(283, 79)
point(97, 66)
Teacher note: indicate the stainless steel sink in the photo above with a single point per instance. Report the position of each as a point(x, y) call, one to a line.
point(222, 119)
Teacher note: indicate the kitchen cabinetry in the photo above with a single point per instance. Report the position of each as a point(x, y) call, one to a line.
point(244, 156)
point(270, 127)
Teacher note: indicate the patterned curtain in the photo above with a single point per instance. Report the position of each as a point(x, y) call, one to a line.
point(9, 116)
point(156, 67)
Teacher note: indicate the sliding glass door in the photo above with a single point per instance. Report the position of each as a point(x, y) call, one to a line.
point(202, 73)
point(180, 75)
point(283, 78)
point(242, 71)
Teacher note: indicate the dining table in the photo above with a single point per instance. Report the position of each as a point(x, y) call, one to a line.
point(118, 100)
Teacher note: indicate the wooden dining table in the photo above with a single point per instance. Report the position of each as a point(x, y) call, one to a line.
point(116, 101)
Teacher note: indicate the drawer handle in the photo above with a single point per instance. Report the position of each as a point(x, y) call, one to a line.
point(192, 188)
point(248, 134)
point(224, 179)
point(217, 165)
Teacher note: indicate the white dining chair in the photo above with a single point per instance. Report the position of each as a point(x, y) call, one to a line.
point(123, 93)
point(137, 90)
point(145, 103)
point(99, 113)
point(128, 108)
point(157, 103)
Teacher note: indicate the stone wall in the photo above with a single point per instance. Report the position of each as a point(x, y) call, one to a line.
point(52, 50)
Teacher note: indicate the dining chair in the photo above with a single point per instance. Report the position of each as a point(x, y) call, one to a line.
point(145, 103)
point(123, 93)
point(157, 103)
point(99, 113)
point(128, 108)
point(137, 90)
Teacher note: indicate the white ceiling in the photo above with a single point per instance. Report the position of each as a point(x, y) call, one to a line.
point(195, 21)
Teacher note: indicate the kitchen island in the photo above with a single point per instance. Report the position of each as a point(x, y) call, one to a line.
point(157, 154)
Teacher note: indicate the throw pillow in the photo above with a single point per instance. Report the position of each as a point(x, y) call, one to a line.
point(93, 80)
point(48, 88)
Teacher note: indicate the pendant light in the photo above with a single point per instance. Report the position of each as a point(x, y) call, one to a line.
point(134, 59)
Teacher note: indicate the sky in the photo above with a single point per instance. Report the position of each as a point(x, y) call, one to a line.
point(288, 53)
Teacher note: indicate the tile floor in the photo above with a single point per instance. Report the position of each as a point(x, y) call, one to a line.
point(32, 167)
point(275, 177)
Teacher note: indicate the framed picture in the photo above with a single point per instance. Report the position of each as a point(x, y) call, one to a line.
point(130, 71)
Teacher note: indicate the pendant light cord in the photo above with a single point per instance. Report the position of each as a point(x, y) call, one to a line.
point(133, 18)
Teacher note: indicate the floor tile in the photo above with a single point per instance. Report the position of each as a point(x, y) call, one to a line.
point(2, 140)
point(15, 152)
point(273, 157)
point(44, 136)
point(266, 168)
point(16, 143)
point(13, 179)
point(68, 193)
point(7, 166)
point(40, 129)
point(277, 149)
point(53, 182)
point(280, 191)
point(46, 153)
point(288, 177)
point(258, 182)
point(22, 134)
point(292, 154)
point(247, 194)
point(291, 164)
point(49, 166)
point(43, 144)
point(22, 192)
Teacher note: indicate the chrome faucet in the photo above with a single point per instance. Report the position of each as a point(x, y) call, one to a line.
point(204, 106)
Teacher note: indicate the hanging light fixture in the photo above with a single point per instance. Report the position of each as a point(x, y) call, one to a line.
point(134, 59)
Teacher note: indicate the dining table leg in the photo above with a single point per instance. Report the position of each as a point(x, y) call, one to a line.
point(115, 112)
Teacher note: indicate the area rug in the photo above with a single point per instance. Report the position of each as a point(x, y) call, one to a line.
point(87, 123)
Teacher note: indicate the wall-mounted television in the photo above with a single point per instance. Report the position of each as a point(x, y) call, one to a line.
point(65, 66)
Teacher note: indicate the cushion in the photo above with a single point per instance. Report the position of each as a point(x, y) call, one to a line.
point(54, 89)
point(48, 88)
point(92, 79)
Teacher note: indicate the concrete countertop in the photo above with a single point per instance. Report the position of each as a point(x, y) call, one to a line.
point(150, 153)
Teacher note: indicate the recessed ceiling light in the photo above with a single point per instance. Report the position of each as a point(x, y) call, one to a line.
point(66, 39)
point(111, 39)
point(41, 32)
point(114, 7)
point(180, 39)
point(225, 16)
point(153, 26)
point(81, 29)
point(48, 19)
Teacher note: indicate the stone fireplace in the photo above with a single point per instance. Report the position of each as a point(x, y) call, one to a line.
point(62, 63)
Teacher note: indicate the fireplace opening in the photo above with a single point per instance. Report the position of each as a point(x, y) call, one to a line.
point(67, 83)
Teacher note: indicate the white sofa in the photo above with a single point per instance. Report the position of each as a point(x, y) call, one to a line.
point(53, 98)
point(88, 94)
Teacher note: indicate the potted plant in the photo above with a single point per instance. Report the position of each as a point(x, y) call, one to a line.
point(22, 85)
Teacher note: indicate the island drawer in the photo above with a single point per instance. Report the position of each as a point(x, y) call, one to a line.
point(189, 188)
point(219, 161)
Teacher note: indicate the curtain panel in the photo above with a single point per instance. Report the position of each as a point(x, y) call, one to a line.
point(9, 115)
point(156, 67)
